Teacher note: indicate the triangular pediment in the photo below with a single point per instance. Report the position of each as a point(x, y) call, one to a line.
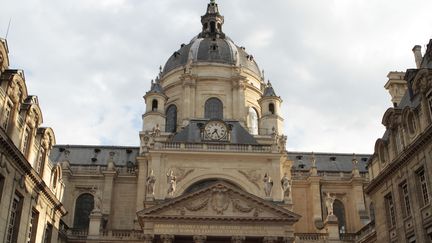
point(219, 201)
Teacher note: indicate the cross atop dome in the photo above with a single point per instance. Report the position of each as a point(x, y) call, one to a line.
point(212, 22)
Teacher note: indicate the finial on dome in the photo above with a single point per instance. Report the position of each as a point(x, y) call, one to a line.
point(212, 22)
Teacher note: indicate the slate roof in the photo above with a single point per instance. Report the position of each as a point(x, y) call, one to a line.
point(329, 162)
point(217, 50)
point(86, 154)
point(269, 91)
point(83, 154)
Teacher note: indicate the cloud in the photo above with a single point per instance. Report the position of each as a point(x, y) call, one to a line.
point(90, 62)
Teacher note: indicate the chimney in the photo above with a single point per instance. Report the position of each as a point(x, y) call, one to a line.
point(417, 55)
point(397, 86)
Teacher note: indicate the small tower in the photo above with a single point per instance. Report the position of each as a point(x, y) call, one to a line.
point(155, 100)
point(212, 22)
point(397, 86)
point(270, 103)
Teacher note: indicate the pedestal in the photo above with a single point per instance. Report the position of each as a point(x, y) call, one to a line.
point(332, 227)
point(95, 223)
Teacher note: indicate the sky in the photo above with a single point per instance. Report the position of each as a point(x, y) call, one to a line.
point(91, 61)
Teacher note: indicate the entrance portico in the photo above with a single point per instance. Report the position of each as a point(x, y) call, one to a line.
point(218, 213)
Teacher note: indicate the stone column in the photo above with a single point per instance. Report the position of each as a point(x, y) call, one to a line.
point(148, 238)
point(238, 239)
point(316, 197)
point(199, 238)
point(141, 183)
point(167, 238)
point(107, 190)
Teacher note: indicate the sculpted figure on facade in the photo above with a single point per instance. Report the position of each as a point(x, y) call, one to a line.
point(268, 185)
point(329, 200)
point(97, 194)
point(151, 180)
point(156, 131)
point(172, 182)
point(286, 186)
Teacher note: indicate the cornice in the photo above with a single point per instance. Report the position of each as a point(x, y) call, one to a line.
point(12, 151)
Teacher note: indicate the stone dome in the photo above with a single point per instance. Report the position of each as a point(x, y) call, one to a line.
point(211, 46)
point(213, 50)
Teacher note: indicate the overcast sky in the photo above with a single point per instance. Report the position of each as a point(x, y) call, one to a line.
point(91, 61)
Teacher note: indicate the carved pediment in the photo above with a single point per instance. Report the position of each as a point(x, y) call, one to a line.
point(219, 201)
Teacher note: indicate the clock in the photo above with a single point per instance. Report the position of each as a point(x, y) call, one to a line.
point(216, 131)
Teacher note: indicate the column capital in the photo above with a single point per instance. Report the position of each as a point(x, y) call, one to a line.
point(238, 239)
point(270, 239)
point(167, 238)
point(148, 238)
point(199, 238)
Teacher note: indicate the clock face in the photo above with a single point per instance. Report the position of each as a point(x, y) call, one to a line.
point(215, 130)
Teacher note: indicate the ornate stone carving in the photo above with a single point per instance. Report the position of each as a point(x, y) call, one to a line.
point(286, 186)
point(268, 185)
point(237, 239)
point(270, 239)
point(151, 180)
point(167, 238)
point(252, 176)
point(198, 206)
point(329, 200)
point(181, 173)
point(172, 183)
point(111, 165)
point(199, 238)
point(219, 200)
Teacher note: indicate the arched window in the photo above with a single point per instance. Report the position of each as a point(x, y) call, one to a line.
point(83, 207)
point(213, 109)
point(171, 119)
point(271, 108)
point(411, 123)
point(253, 121)
point(154, 105)
point(55, 179)
point(212, 27)
point(339, 212)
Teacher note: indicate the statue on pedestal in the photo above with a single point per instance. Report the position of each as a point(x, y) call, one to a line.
point(172, 183)
point(286, 186)
point(268, 185)
point(151, 180)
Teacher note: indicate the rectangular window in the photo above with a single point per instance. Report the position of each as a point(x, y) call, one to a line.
point(405, 199)
point(31, 237)
point(48, 234)
point(423, 186)
point(390, 208)
point(40, 161)
point(7, 113)
point(25, 141)
point(14, 220)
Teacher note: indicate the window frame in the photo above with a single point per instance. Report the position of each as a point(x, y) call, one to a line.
point(390, 210)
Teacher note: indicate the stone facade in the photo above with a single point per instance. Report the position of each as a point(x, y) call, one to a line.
point(212, 165)
point(31, 188)
point(400, 167)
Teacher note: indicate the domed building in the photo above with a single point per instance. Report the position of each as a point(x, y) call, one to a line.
point(212, 164)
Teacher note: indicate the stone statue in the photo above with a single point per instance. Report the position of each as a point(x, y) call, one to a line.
point(286, 185)
point(151, 183)
point(268, 185)
point(97, 200)
point(329, 200)
point(156, 131)
point(172, 182)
